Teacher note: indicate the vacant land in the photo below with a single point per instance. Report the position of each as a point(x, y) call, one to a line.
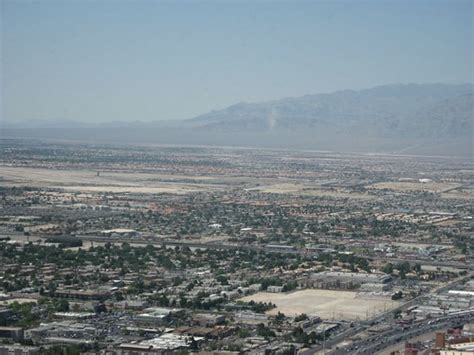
point(313, 190)
point(87, 180)
point(459, 194)
point(436, 187)
point(326, 304)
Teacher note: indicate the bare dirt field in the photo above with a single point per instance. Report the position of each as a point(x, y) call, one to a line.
point(327, 304)
point(436, 187)
point(108, 181)
point(313, 190)
point(459, 194)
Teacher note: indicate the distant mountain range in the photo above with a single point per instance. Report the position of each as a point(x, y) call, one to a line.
point(418, 110)
point(410, 118)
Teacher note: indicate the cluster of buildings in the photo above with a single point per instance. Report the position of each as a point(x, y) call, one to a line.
point(222, 225)
point(450, 342)
point(350, 280)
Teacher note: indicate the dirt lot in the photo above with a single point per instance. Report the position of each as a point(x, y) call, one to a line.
point(436, 187)
point(460, 194)
point(327, 304)
point(109, 181)
point(313, 190)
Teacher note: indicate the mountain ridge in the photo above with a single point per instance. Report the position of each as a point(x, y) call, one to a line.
point(397, 104)
point(390, 118)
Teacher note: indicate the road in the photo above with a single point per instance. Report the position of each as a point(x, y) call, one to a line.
point(163, 241)
point(398, 334)
point(222, 246)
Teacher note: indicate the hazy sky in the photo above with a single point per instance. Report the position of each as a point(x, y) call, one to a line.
point(152, 60)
